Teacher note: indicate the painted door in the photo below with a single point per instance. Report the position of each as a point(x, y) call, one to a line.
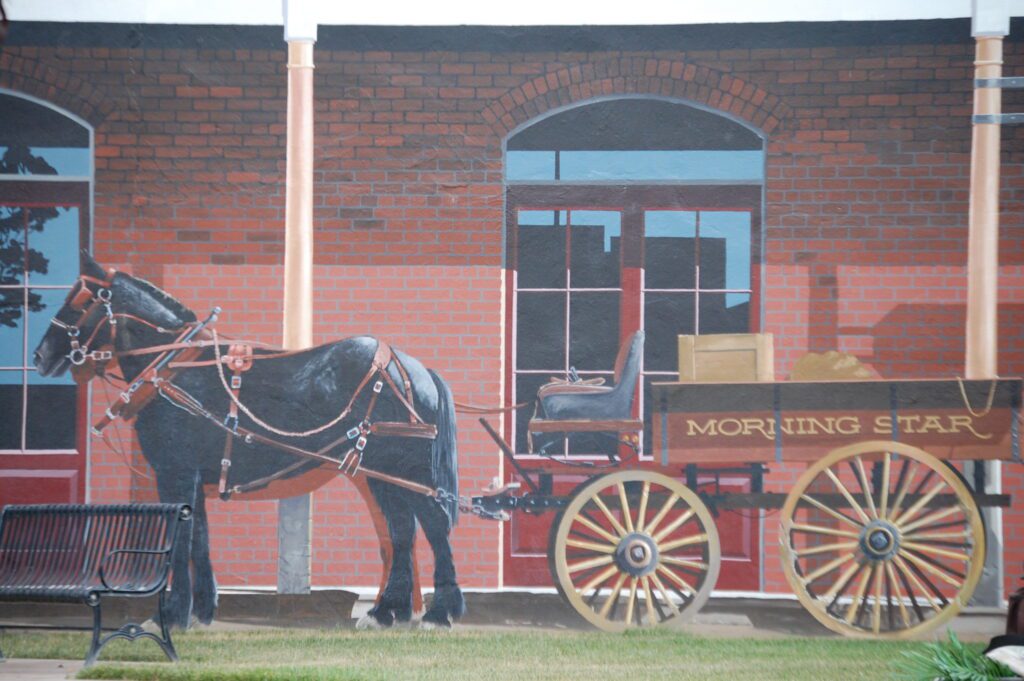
point(583, 276)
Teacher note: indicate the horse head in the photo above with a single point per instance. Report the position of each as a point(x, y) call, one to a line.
point(82, 333)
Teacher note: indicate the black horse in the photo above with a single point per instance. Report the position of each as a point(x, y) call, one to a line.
point(295, 392)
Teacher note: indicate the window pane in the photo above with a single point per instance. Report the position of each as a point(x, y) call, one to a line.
point(10, 407)
point(12, 245)
point(595, 239)
point(593, 330)
point(526, 390)
point(541, 245)
point(53, 246)
point(733, 166)
point(38, 140)
point(43, 305)
point(540, 331)
point(666, 316)
point(725, 250)
point(12, 329)
point(724, 313)
point(669, 247)
point(530, 165)
point(52, 411)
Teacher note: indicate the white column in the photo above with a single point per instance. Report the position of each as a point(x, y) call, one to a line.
point(295, 514)
point(990, 22)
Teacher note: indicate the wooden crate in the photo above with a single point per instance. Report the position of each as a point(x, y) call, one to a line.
point(727, 358)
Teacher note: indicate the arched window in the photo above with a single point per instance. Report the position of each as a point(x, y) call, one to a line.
point(623, 214)
point(45, 186)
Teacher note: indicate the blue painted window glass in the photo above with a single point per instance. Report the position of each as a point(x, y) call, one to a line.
point(57, 242)
point(594, 248)
point(670, 238)
point(728, 266)
point(637, 165)
point(38, 140)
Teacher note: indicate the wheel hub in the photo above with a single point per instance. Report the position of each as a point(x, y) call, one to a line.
point(637, 554)
point(880, 540)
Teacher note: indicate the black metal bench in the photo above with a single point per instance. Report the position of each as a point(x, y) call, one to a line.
point(78, 553)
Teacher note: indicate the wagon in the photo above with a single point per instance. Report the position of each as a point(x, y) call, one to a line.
point(881, 536)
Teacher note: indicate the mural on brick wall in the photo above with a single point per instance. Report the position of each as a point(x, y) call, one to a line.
point(702, 276)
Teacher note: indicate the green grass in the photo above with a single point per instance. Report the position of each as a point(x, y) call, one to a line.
point(478, 654)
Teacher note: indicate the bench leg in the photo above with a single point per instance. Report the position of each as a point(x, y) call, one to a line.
point(130, 632)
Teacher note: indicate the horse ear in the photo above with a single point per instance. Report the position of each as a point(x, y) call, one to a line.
point(92, 268)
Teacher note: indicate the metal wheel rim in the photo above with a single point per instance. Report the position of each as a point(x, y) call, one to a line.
point(652, 565)
point(922, 579)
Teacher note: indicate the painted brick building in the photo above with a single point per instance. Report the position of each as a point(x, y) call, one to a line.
point(436, 147)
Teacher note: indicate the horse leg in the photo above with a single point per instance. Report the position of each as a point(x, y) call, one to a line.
point(178, 487)
point(380, 525)
point(448, 604)
point(395, 603)
point(204, 588)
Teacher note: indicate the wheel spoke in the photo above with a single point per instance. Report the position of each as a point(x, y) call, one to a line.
point(592, 563)
point(650, 529)
point(902, 485)
point(600, 579)
point(614, 598)
point(933, 536)
point(590, 546)
point(886, 465)
point(862, 477)
point(596, 529)
point(818, 529)
point(929, 519)
point(664, 593)
point(825, 548)
point(682, 562)
point(876, 612)
point(672, 526)
point(608, 514)
point(851, 612)
point(925, 548)
point(919, 504)
point(831, 566)
point(832, 512)
point(685, 541)
point(631, 600)
point(849, 497)
point(899, 597)
point(650, 600)
point(680, 582)
point(626, 511)
point(644, 496)
point(905, 569)
point(841, 582)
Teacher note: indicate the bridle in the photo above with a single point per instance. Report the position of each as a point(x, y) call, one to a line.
point(85, 302)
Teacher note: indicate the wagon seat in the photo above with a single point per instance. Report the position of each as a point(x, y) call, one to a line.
point(591, 401)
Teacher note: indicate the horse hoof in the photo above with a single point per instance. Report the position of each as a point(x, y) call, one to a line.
point(368, 622)
point(426, 625)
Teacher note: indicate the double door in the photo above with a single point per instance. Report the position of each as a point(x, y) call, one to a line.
point(589, 265)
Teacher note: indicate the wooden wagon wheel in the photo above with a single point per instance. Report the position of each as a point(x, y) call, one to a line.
point(635, 549)
point(881, 539)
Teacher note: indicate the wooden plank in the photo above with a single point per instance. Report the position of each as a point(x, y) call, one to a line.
point(584, 426)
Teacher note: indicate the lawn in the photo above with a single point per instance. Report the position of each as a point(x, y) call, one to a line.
point(470, 653)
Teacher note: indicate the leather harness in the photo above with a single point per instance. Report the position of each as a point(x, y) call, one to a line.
point(184, 352)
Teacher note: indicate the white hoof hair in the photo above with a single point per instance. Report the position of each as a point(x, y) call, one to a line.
point(368, 622)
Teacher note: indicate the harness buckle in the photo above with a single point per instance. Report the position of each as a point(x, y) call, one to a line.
point(353, 433)
point(226, 463)
point(77, 356)
point(378, 386)
point(236, 382)
point(361, 444)
point(231, 421)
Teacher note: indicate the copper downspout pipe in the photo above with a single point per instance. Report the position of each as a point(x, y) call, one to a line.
point(983, 224)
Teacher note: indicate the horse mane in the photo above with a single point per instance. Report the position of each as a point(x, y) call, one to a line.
point(171, 306)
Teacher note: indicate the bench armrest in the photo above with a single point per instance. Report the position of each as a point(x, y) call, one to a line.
point(149, 552)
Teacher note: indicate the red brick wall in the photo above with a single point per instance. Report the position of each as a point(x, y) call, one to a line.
point(865, 213)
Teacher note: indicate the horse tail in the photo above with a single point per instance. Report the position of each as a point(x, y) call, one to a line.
point(443, 460)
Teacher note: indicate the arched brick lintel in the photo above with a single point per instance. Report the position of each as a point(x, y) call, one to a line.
point(35, 78)
point(668, 78)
